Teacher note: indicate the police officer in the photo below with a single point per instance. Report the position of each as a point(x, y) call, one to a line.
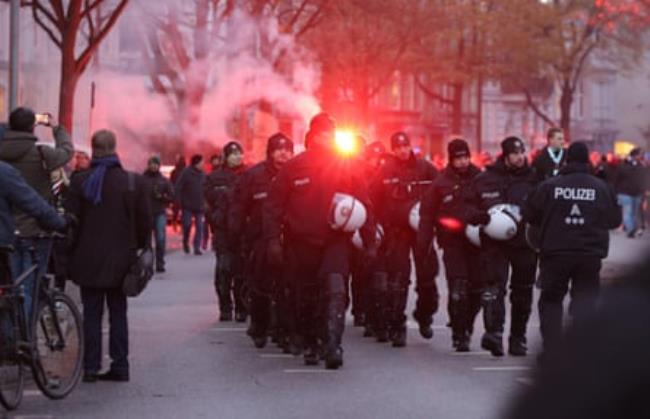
point(403, 181)
point(228, 278)
point(574, 212)
point(297, 226)
point(551, 158)
point(448, 206)
point(508, 181)
point(245, 219)
point(369, 278)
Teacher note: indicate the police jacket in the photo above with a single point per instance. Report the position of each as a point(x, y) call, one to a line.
point(249, 194)
point(159, 190)
point(447, 206)
point(574, 212)
point(499, 184)
point(400, 185)
point(300, 201)
point(631, 178)
point(218, 195)
point(545, 167)
point(189, 189)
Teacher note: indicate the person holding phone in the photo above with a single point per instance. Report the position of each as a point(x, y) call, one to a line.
point(20, 149)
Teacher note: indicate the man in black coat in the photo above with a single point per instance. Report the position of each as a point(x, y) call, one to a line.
point(161, 194)
point(297, 225)
point(448, 207)
point(574, 212)
point(114, 215)
point(551, 158)
point(404, 180)
point(189, 194)
point(508, 181)
point(250, 192)
point(228, 275)
point(630, 189)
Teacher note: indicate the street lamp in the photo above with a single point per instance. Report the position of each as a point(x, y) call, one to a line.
point(13, 53)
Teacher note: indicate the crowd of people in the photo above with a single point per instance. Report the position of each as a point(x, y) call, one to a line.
point(299, 238)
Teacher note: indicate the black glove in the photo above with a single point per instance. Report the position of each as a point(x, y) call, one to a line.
point(479, 218)
point(274, 252)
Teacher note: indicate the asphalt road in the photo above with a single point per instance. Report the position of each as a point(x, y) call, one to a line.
point(185, 364)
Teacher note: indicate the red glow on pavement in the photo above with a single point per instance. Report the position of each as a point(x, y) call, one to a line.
point(452, 224)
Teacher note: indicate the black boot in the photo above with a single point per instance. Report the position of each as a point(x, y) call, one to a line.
point(462, 343)
point(311, 356)
point(335, 321)
point(398, 337)
point(426, 331)
point(517, 346)
point(492, 342)
point(226, 315)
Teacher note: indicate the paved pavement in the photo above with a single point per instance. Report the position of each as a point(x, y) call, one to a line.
point(184, 364)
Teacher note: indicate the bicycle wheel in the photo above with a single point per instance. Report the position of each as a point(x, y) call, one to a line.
point(12, 373)
point(59, 351)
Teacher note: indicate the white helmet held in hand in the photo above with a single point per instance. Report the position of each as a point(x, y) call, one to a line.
point(347, 213)
point(414, 216)
point(473, 233)
point(358, 242)
point(503, 222)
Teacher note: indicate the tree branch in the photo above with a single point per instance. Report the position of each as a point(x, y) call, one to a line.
point(531, 103)
point(44, 26)
point(433, 95)
point(93, 43)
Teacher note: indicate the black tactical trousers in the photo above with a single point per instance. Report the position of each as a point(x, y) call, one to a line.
point(399, 244)
point(557, 272)
point(228, 281)
point(318, 274)
point(463, 272)
point(521, 263)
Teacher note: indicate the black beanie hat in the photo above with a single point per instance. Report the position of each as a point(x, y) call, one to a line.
point(399, 139)
point(457, 148)
point(231, 147)
point(196, 159)
point(578, 153)
point(319, 123)
point(278, 141)
point(512, 145)
point(154, 159)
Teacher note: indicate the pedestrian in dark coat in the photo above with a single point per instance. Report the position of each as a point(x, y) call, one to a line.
point(551, 158)
point(189, 194)
point(114, 221)
point(161, 194)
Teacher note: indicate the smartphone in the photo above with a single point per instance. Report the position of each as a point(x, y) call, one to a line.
point(43, 119)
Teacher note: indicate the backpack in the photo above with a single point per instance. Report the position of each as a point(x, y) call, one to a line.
point(141, 270)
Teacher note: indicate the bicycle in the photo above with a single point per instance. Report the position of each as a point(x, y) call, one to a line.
point(49, 342)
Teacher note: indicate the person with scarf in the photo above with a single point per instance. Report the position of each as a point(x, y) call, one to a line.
point(551, 158)
point(115, 220)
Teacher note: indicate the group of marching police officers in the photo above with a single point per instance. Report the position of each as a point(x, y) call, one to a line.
point(284, 231)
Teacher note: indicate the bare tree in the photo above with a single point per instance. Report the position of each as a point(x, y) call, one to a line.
point(77, 28)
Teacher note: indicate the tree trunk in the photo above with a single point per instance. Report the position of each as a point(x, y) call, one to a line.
point(566, 100)
point(457, 109)
point(69, 79)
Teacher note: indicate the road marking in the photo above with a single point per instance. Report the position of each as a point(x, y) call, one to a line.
point(507, 368)
point(31, 393)
point(276, 356)
point(229, 329)
point(33, 417)
point(471, 353)
point(305, 371)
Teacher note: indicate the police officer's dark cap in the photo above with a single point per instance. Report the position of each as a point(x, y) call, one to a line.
point(279, 141)
point(232, 147)
point(578, 153)
point(512, 145)
point(399, 139)
point(457, 148)
point(321, 122)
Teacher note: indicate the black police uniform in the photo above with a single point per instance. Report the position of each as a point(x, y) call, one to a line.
point(245, 220)
point(402, 185)
point(448, 206)
point(315, 256)
point(228, 276)
point(499, 184)
point(574, 212)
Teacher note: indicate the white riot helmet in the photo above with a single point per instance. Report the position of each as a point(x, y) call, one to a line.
point(473, 233)
point(503, 222)
point(414, 216)
point(358, 242)
point(347, 213)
